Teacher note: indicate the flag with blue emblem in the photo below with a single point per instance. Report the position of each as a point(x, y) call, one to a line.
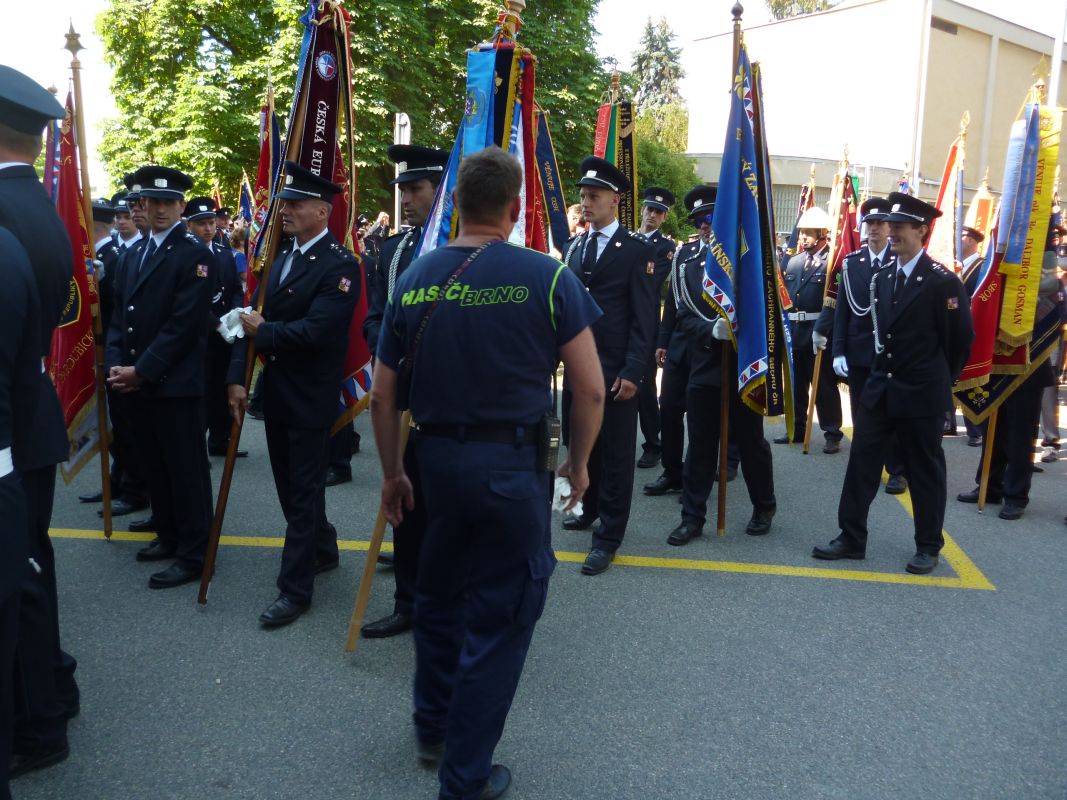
point(741, 280)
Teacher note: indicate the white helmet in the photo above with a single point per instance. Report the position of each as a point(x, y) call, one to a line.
point(814, 219)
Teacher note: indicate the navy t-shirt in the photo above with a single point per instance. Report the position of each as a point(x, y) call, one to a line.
point(491, 345)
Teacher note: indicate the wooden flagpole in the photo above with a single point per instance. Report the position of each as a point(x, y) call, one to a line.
point(987, 457)
point(75, 47)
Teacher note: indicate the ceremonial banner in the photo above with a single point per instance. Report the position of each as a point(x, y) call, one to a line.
point(614, 142)
point(551, 187)
point(246, 204)
point(807, 200)
point(980, 213)
point(945, 232)
point(51, 160)
point(71, 360)
point(845, 236)
point(267, 172)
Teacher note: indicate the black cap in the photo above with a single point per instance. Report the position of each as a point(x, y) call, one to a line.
point(225, 211)
point(162, 183)
point(974, 233)
point(603, 175)
point(199, 208)
point(660, 199)
point(874, 209)
point(133, 187)
point(103, 211)
point(303, 184)
point(905, 208)
point(699, 200)
point(120, 202)
point(417, 162)
point(26, 106)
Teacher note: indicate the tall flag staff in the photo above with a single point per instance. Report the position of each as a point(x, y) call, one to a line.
point(321, 102)
point(267, 172)
point(945, 244)
point(614, 142)
point(807, 200)
point(93, 330)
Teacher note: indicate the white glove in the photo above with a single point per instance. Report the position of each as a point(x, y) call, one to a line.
point(841, 366)
point(818, 342)
point(561, 493)
point(721, 331)
point(230, 327)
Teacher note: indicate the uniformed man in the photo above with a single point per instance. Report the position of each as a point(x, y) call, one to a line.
point(654, 207)
point(126, 233)
point(201, 217)
point(107, 256)
point(311, 293)
point(922, 336)
point(853, 339)
point(487, 554)
point(805, 279)
point(46, 694)
point(421, 170)
point(619, 270)
point(223, 224)
point(155, 355)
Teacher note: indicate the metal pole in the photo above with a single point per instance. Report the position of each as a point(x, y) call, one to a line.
point(401, 135)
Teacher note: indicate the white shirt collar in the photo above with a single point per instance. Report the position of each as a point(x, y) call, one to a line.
point(101, 243)
point(159, 238)
point(910, 266)
point(132, 240)
point(971, 259)
point(303, 248)
point(608, 230)
point(880, 256)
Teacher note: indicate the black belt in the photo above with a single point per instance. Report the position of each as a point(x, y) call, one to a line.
point(497, 434)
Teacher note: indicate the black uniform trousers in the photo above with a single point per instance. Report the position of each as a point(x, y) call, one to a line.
point(172, 451)
point(13, 508)
point(702, 458)
point(672, 417)
point(217, 417)
point(298, 461)
point(857, 379)
point(827, 397)
point(45, 690)
point(342, 444)
point(1011, 464)
point(924, 464)
point(127, 479)
point(648, 410)
point(407, 539)
point(483, 579)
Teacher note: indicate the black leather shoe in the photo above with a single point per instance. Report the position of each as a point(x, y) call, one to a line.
point(897, 484)
point(429, 754)
point(281, 612)
point(760, 523)
point(783, 439)
point(386, 559)
point(648, 459)
point(681, 535)
point(837, 550)
point(972, 496)
point(156, 550)
point(597, 561)
point(95, 497)
point(974, 441)
point(498, 783)
point(1011, 511)
point(21, 763)
point(663, 485)
point(578, 523)
point(255, 413)
point(921, 563)
point(731, 473)
point(146, 525)
point(174, 575)
point(335, 477)
point(122, 507)
point(215, 450)
point(393, 625)
point(832, 446)
point(326, 566)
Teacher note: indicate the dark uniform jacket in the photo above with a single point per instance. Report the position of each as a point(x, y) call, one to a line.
point(806, 292)
point(670, 337)
point(305, 335)
point(705, 351)
point(623, 284)
point(162, 314)
point(108, 255)
point(228, 292)
point(402, 243)
point(853, 336)
point(30, 215)
point(664, 247)
point(927, 338)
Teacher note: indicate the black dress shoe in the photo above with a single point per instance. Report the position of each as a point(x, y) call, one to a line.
point(255, 413)
point(386, 559)
point(972, 496)
point(281, 612)
point(921, 563)
point(783, 439)
point(122, 507)
point(836, 550)
point(662, 485)
point(648, 459)
point(1011, 511)
point(832, 446)
point(21, 763)
point(326, 566)
point(385, 627)
point(597, 561)
point(897, 484)
point(974, 441)
point(582, 523)
point(498, 783)
point(146, 525)
point(682, 534)
point(95, 497)
point(760, 523)
point(335, 477)
point(157, 550)
point(731, 472)
point(429, 753)
point(174, 575)
point(217, 450)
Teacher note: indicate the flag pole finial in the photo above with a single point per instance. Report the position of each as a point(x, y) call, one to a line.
point(511, 18)
point(73, 41)
point(737, 11)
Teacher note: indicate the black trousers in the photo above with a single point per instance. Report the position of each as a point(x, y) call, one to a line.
point(648, 409)
point(746, 426)
point(924, 464)
point(298, 461)
point(827, 398)
point(1011, 464)
point(45, 689)
point(672, 416)
point(216, 402)
point(857, 379)
point(408, 537)
point(172, 451)
point(341, 443)
point(127, 479)
point(9, 621)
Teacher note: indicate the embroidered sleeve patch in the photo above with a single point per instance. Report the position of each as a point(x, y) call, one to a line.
point(953, 303)
point(201, 270)
point(345, 285)
point(650, 268)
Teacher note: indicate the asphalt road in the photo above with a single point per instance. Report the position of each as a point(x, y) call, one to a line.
point(735, 667)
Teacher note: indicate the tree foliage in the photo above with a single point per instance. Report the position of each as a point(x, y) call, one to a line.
point(659, 165)
point(190, 77)
point(784, 9)
point(657, 66)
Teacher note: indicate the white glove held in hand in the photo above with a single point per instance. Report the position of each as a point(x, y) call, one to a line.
point(721, 331)
point(841, 366)
point(818, 342)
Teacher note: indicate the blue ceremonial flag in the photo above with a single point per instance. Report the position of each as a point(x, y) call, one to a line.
point(246, 198)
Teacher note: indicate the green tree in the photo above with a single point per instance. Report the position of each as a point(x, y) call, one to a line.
point(657, 66)
point(784, 9)
point(658, 165)
point(189, 78)
point(669, 125)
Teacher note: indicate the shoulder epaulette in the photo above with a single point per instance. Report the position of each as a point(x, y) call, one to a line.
point(192, 238)
point(639, 236)
point(857, 252)
point(941, 268)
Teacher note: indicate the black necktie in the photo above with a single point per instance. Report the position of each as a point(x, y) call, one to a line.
point(589, 259)
point(898, 288)
point(148, 253)
point(877, 263)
